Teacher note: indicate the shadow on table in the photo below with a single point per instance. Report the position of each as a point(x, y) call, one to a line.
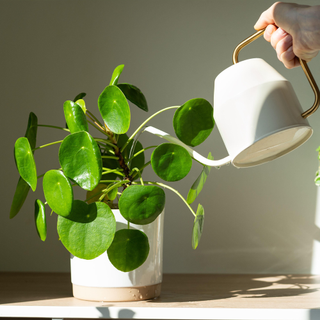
point(215, 287)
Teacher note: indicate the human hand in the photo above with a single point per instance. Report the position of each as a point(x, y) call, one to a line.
point(292, 30)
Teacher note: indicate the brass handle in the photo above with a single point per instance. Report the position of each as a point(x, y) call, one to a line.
point(303, 64)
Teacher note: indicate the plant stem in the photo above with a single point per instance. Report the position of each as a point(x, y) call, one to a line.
point(116, 185)
point(173, 190)
point(97, 127)
point(55, 127)
point(110, 157)
point(142, 150)
point(46, 145)
point(142, 168)
point(145, 122)
point(105, 141)
point(94, 117)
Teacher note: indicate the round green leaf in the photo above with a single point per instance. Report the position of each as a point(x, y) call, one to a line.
point(134, 95)
point(129, 249)
point(88, 240)
point(171, 162)
point(40, 219)
point(193, 121)
point(58, 192)
point(75, 117)
point(114, 109)
point(82, 104)
point(82, 212)
point(25, 162)
point(80, 159)
point(116, 74)
point(197, 226)
point(141, 204)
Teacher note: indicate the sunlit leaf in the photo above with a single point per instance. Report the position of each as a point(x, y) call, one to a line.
point(80, 159)
point(58, 192)
point(116, 74)
point(88, 240)
point(199, 183)
point(141, 204)
point(193, 121)
point(197, 226)
point(82, 104)
point(25, 162)
point(114, 109)
point(171, 162)
point(40, 219)
point(129, 249)
point(75, 117)
point(134, 95)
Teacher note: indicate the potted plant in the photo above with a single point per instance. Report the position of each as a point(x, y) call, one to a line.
point(121, 214)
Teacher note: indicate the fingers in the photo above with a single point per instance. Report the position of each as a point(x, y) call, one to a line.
point(289, 59)
point(266, 18)
point(269, 31)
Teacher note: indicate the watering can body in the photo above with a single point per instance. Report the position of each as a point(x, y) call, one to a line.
point(257, 113)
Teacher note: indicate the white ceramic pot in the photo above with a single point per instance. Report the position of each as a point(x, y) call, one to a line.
point(99, 280)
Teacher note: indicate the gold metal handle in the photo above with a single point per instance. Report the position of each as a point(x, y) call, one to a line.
point(303, 64)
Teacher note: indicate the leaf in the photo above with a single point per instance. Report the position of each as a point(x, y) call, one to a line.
point(199, 183)
point(197, 226)
point(171, 162)
point(317, 180)
point(82, 212)
point(75, 117)
point(116, 74)
point(82, 104)
point(23, 188)
point(25, 162)
point(19, 197)
point(88, 240)
point(193, 121)
point(129, 249)
point(134, 95)
point(79, 96)
point(80, 159)
point(40, 219)
point(31, 132)
point(58, 192)
point(114, 109)
point(96, 193)
point(141, 204)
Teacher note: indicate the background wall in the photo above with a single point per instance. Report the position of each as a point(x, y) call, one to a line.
point(259, 220)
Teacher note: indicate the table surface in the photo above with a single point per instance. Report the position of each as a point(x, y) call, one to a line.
point(183, 296)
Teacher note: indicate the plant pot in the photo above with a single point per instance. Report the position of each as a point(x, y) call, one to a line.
point(99, 280)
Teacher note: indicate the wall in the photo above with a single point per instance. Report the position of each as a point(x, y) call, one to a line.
point(258, 220)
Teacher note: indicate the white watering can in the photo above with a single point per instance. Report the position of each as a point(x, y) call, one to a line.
point(257, 113)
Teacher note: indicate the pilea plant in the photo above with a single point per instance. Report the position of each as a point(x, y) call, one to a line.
point(110, 169)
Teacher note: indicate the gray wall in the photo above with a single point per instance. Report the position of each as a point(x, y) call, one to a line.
point(258, 220)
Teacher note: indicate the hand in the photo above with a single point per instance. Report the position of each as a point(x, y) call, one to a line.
point(292, 30)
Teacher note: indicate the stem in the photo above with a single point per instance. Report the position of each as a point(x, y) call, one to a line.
point(55, 127)
point(46, 145)
point(95, 126)
point(174, 190)
point(116, 185)
point(110, 157)
point(105, 141)
point(142, 168)
point(139, 173)
point(142, 150)
point(94, 117)
point(144, 123)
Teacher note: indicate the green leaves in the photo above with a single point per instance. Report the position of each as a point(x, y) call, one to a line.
point(129, 249)
point(31, 132)
point(114, 109)
point(91, 239)
point(141, 204)
point(199, 183)
point(193, 121)
point(75, 117)
point(25, 162)
point(197, 226)
point(40, 219)
point(134, 95)
point(80, 159)
point(171, 162)
point(58, 192)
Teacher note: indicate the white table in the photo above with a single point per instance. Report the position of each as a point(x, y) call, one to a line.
point(206, 296)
